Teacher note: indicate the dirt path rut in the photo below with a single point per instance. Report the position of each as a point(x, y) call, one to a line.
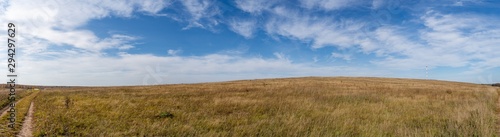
point(26, 131)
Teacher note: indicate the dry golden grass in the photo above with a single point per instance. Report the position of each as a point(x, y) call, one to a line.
point(274, 107)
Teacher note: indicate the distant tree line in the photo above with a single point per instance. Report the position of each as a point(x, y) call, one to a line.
point(496, 84)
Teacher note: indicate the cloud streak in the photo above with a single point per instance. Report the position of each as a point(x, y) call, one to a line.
point(132, 69)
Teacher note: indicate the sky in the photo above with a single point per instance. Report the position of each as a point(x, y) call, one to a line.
point(148, 42)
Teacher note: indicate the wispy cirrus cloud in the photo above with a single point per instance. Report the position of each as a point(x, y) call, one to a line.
point(57, 22)
point(172, 52)
point(320, 31)
point(472, 38)
point(448, 40)
point(245, 28)
point(330, 4)
point(254, 6)
point(201, 13)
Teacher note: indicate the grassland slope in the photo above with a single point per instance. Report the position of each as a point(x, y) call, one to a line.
point(313, 106)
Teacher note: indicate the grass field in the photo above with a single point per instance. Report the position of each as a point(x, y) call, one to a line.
point(274, 107)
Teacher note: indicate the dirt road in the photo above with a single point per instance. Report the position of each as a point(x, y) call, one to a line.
point(26, 130)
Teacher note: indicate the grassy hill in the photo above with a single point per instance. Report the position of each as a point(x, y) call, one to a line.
point(313, 106)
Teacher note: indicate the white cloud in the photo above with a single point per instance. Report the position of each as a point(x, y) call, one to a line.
point(451, 40)
point(347, 57)
point(125, 47)
point(448, 40)
point(281, 56)
point(172, 52)
point(254, 6)
point(400, 52)
point(458, 3)
point(201, 13)
point(245, 28)
point(376, 4)
point(56, 22)
point(322, 32)
point(68, 14)
point(472, 38)
point(83, 39)
point(328, 4)
point(153, 6)
point(133, 69)
point(197, 8)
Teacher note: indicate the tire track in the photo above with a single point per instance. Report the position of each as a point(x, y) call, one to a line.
point(27, 128)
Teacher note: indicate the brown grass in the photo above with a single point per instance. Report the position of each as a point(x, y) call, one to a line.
point(273, 107)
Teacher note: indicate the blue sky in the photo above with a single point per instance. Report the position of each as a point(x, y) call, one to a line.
point(129, 42)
